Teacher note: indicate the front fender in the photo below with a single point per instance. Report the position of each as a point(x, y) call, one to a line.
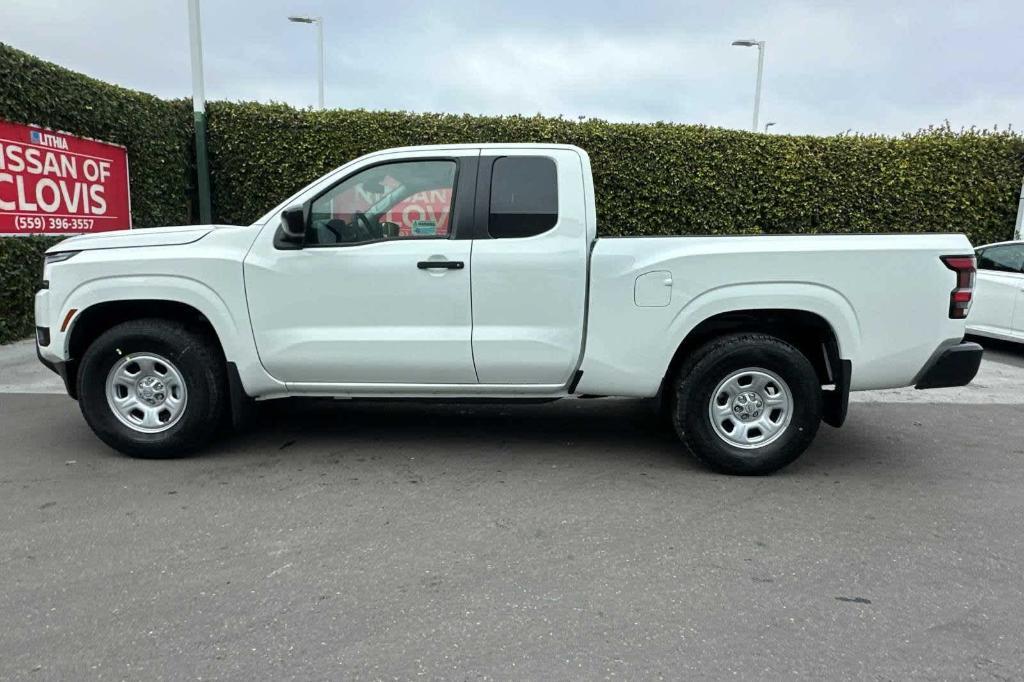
point(229, 320)
point(159, 288)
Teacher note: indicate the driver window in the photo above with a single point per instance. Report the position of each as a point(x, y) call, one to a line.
point(407, 199)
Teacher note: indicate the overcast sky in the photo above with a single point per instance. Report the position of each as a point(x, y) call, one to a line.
point(868, 66)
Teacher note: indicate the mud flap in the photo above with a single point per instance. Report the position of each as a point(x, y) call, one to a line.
point(836, 402)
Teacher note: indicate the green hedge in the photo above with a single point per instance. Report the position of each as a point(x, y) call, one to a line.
point(659, 178)
point(157, 133)
point(21, 269)
point(650, 178)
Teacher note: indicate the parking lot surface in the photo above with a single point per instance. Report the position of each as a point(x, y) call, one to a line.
point(569, 540)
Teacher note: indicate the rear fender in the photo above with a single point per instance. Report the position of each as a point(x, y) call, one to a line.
point(821, 300)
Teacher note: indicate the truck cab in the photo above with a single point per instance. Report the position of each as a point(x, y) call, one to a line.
point(479, 281)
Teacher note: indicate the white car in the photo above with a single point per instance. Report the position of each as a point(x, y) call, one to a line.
point(998, 309)
point(475, 271)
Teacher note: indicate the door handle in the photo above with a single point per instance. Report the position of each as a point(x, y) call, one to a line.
point(440, 265)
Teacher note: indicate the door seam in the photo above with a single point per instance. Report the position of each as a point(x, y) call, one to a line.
point(472, 316)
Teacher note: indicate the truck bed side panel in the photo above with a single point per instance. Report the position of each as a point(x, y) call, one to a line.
point(886, 297)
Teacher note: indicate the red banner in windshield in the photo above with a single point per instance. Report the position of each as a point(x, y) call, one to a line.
point(424, 213)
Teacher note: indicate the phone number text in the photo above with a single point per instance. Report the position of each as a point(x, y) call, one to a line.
point(40, 223)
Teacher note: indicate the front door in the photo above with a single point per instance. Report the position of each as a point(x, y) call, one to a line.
point(380, 292)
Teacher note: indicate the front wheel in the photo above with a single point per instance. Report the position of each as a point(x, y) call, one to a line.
point(747, 404)
point(152, 388)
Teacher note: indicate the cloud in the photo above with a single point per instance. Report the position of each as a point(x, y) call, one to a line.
point(870, 66)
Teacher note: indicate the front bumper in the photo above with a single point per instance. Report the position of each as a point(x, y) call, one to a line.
point(61, 369)
point(954, 366)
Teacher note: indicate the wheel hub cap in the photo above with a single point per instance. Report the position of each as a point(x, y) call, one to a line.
point(751, 408)
point(747, 406)
point(151, 390)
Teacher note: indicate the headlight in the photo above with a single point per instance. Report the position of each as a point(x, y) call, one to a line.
point(58, 257)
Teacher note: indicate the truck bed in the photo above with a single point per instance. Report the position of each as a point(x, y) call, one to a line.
point(647, 293)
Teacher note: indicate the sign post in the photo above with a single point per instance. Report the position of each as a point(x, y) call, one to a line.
point(53, 182)
point(195, 35)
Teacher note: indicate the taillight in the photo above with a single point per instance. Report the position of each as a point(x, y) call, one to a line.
point(965, 268)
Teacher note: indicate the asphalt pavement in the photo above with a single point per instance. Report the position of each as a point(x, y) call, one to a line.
point(570, 540)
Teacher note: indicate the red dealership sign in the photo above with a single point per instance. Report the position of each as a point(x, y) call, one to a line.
point(55, 183)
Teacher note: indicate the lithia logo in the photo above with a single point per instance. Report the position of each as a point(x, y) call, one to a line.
point(48, 140)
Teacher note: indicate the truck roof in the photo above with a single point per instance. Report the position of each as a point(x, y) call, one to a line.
point(483, 145)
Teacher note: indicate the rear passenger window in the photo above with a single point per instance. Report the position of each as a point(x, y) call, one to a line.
point(524, 197)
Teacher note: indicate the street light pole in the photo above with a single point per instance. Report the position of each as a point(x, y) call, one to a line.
point(319, 21)
point(320, 65)
point(759, 44)
point(1020, 214)
point(199, 113)
point(760, 74)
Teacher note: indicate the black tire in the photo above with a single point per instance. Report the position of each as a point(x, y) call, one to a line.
point(196, 358)
point(710, 365)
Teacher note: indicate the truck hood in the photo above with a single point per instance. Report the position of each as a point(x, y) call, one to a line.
point(149, 236)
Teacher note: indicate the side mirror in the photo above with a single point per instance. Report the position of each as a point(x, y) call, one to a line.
point(293, 223)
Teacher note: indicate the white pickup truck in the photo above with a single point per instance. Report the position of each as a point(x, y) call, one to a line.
point(475, 271)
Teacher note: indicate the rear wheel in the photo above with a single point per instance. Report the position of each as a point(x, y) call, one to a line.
point(747, 404)
point(152, 388)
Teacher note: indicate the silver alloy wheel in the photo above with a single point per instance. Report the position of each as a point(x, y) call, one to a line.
point(146, 392)
point(751, 408)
